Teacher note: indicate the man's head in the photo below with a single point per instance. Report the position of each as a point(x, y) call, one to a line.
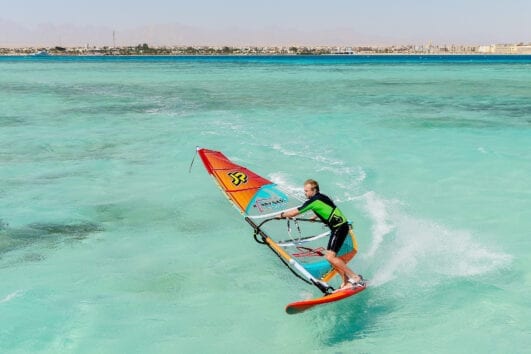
point(311, 188)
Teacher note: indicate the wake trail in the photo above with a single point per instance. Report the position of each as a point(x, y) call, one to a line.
point(11, 296)
point(400, 246)
point(413, 249)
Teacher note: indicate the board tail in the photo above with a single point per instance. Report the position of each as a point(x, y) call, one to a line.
point(303, 305)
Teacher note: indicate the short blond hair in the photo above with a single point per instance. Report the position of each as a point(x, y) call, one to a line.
point(313, 183)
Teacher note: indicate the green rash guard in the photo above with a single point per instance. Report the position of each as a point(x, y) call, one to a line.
point(325, 209)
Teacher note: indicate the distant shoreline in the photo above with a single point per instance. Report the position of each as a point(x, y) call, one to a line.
point(145, 50)
point(265, 55)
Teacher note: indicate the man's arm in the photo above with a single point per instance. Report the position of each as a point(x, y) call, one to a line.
point(289, 214)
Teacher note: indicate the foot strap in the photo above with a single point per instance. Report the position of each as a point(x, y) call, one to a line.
point(358, 283)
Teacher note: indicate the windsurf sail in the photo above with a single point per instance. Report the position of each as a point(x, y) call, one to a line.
point(300, 243)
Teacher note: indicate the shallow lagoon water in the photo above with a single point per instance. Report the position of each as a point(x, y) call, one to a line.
point(108, 244)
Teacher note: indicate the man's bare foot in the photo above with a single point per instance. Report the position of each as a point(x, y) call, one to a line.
point(353, 283)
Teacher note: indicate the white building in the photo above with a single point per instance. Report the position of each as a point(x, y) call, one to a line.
point(505, 49)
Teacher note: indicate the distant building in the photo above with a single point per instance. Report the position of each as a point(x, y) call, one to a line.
point(347, 51)
point(523, 49)
point(484, 49)
point(505, 49)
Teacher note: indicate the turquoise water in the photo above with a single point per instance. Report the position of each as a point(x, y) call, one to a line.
point(109, 245)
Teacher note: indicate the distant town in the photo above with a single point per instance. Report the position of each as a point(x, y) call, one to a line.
point(145, 49)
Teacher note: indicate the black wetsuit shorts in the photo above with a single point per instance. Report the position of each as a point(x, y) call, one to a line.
point(337, 238)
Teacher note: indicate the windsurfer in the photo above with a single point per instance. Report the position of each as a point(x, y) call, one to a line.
point(325, 209)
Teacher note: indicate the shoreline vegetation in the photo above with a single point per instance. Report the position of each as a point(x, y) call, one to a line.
point(145, 49)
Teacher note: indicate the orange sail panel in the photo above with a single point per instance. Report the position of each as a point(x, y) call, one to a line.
point(239, 183)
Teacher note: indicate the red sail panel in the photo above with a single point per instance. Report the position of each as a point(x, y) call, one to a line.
point(239, 183)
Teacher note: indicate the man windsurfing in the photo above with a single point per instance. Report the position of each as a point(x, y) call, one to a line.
point(325, 209)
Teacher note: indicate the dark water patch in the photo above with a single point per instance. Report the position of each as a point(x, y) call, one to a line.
point(501, 109)
point(32, 257)
point(467, 101)
point(111, 212)
point(119, 99)
point(60, 90)
point(429, 122)
point(76, 154)
point(145, 215)
point(52, 176)
point(131, 213)
point(426, 112)
point(44, 234)
point(86, 99)
point(107, 109)
point(11, 121)
point(79, 230)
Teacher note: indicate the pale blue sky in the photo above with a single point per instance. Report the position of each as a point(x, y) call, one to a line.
point(406, 21)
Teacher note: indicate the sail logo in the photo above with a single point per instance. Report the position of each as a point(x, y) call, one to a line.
point(269, 198)
point(238, 177)
point(270, 203)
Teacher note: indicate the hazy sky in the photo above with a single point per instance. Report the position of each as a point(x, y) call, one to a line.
point(266, 22)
